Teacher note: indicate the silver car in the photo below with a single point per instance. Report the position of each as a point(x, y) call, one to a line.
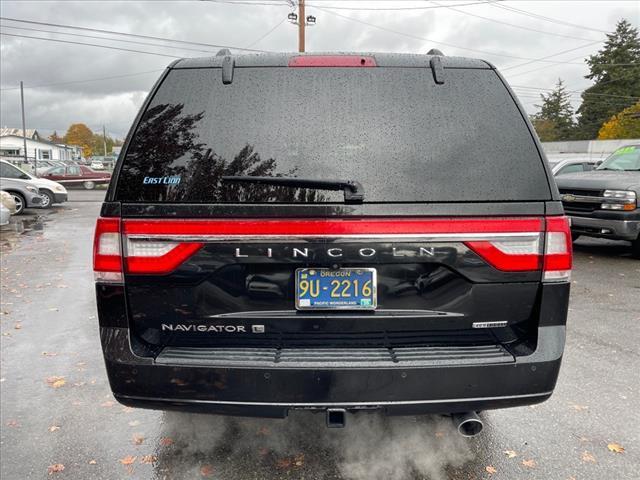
point(23, 192)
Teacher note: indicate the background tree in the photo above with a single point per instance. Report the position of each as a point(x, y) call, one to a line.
point(55, 138)
point(625, 124)
point(555, 120)
point(81, 135)
point(615, 70)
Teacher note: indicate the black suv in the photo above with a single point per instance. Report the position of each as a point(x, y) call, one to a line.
point(334, 233)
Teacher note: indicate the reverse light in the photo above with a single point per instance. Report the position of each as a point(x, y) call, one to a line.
point(625, 200)
point(558, 256)
point(107, 258)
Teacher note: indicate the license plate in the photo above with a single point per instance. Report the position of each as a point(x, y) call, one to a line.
point(339, 289)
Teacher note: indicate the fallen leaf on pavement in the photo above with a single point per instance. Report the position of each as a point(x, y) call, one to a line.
point(299, 460)
point(49, 354)
point(439, 434)
point(263, 431)
point(529, 463)
point(615, 447)
point(490, 469)
point(587, 457)
point(134, 423)
point(53, 428)
point(138, 439)
point(128, 460)
point(53, 309)
point(579, 408)
point(13, 423)
point(166, 441)
point(55, 468)
point(148, 459)
point(107, 404)
point(206, 470)
point(92, 462)
point(17, 326)
point(56, 381)
point(510, 453)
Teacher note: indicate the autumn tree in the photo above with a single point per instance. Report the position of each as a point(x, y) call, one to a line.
point(55, 138)
point(615, 70)
point(625, 124)
point(81, 135)
point(555, 120)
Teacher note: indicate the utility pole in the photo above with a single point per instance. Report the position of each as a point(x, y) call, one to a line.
point(301, 25)
point(24, 130)
point(104, 140)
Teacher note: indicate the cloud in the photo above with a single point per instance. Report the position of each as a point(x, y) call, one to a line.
point(114, 101)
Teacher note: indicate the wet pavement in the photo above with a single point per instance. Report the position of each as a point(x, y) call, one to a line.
point(59, 419)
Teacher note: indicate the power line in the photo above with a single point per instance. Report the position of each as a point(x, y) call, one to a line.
point(111, 32)
point(269, 32)
point(415, 37)
point(89, 45)
point(489, 19)
point(576, 92)
point(547, 19)
point(331, 7)
point(554, 55)
point(85, 80)
point(95, 37)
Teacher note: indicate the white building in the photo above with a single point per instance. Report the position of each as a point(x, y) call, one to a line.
point(12, 147)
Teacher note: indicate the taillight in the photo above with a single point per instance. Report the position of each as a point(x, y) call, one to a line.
point(557, 250)
point(332, 61)
point(107, 255)
point(527, 251)
point(141, 256)
point(149, 257)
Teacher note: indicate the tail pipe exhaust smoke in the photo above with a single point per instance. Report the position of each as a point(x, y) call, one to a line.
point(468, 424)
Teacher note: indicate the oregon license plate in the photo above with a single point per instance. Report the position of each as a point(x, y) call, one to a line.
point(339, 289)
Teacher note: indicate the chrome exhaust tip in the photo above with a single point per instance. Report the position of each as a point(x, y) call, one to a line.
point(468, 424)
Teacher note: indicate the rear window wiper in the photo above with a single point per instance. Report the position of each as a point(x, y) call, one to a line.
point(353, 191)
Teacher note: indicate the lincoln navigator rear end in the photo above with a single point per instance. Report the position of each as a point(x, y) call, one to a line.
point(334, 233)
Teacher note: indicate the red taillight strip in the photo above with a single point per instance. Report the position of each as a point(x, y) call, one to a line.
point(162, 264)
point(332, 61)
point(337, 227)
point(503, 261)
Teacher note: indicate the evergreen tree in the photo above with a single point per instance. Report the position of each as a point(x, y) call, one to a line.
point(615, 70)
point(555, 119)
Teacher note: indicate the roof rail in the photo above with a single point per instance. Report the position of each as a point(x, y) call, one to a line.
point(228, 65)
point(437, 69)
point(222, 52)
point(435, 51)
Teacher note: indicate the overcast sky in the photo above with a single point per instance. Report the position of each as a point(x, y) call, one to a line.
point(65, 83)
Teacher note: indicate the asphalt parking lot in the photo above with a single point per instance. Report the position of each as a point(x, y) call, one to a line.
point(59, 419)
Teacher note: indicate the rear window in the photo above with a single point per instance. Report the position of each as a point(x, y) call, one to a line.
point(393, 130)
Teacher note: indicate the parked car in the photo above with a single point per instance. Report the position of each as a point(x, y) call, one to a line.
point(387, 260)
point(7, 207)
point(604, 202)
point(24, 192)
point(563, 167)
point(77, 175)
point(52, 192)
point(43, 166)
point(97, 165)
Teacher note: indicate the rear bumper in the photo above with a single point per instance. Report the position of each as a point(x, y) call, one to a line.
point(271, 389)
point(626, 227)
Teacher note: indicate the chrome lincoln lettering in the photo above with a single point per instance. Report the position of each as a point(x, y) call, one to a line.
point(409, 250)
point(429, 252)
point(269, 252)
point(367, 252)
point(395, 253)
point(239, 255)
point(179, 327)
point(334, 252)
point(303, 253)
